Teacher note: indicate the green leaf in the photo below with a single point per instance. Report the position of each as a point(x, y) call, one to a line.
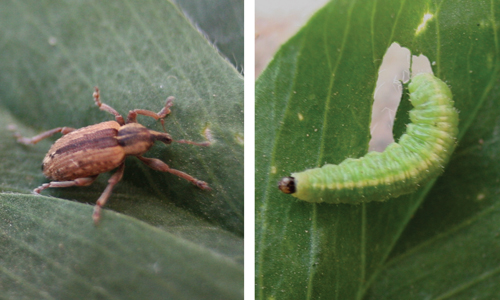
point(313, 106)
point(51, 250)
point(138, 53)
point(222, 22)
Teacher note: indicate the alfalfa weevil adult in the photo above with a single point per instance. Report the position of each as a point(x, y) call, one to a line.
point(80, 155)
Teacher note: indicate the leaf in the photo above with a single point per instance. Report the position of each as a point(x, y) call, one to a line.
point(222, 21)
point(53, 54)
point(50, 250)
point(313, 106)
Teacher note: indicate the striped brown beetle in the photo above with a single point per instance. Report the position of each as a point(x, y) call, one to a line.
point(80, 155)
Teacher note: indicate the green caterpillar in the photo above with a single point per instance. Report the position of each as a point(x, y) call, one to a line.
point(421, 154)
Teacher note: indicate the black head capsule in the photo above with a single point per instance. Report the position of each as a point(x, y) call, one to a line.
point(287, 185)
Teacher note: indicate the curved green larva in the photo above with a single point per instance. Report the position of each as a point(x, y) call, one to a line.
point(420, 155)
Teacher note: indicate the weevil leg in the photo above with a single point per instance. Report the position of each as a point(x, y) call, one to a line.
point(41, 136)
point(60, 184)
point(107, 108)
point(132, 115)
point(113, 180)
point(159, 165)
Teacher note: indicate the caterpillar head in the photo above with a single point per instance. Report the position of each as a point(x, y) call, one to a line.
point(287, 185)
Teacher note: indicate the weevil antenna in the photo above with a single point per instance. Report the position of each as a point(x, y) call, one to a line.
point(163, 125)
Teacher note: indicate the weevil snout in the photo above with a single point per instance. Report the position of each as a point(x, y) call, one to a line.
point(161, 136)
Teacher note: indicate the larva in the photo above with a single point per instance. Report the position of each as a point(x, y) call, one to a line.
point(420, 155)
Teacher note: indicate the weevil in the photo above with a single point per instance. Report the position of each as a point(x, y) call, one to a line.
point(80, 155)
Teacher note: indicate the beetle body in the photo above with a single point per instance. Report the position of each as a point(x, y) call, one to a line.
point(95, 149)
point(80, 155)
point(85, 152)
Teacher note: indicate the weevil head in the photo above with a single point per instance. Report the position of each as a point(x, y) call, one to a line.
point(136, 139)
point(161, 136)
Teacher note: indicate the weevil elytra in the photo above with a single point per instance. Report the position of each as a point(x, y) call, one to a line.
point(80, 155)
